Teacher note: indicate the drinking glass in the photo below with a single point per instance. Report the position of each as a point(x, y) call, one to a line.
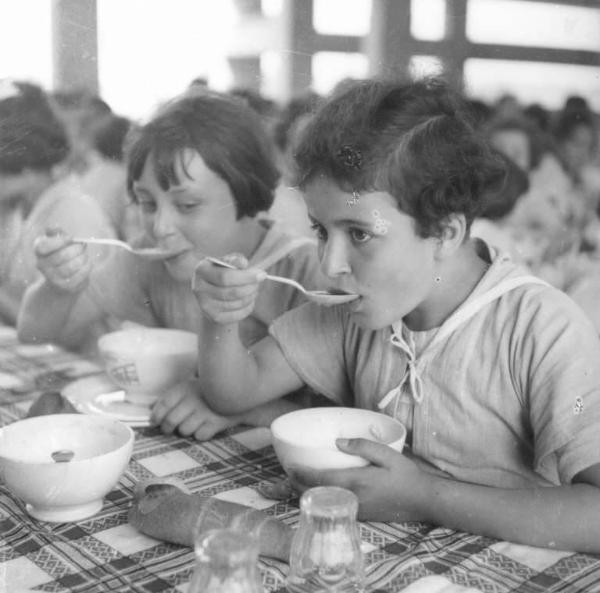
point(325, 554)
point(226, 562)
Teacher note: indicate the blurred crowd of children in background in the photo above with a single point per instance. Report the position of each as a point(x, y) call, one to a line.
point(62, 165)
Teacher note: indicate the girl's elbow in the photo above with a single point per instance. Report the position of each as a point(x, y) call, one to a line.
point(225, 405)
point(24, 333)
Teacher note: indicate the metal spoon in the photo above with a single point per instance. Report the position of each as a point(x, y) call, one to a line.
point(322, 297)
point(154, 253)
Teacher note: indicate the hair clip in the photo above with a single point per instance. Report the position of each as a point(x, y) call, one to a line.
point(350, 157)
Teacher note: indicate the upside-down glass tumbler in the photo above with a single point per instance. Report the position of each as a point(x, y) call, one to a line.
point(326, 555)
point(226, 562)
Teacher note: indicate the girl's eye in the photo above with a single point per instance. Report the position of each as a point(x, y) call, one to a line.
point(319, 231)
point(187, 207)
point(146, 206)
point(360, 236)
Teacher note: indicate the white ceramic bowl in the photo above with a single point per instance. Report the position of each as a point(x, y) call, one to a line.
point(306, 438)
point(67, 491)
point(146, 361)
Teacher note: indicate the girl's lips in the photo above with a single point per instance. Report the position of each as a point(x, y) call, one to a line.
point(355, 305)
point(174, 254)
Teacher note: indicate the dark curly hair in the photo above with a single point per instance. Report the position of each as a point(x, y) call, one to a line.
point(31, 135)
point(305, 104)
point(415, 141)
point(500, 201)
point(228, 135)
point(109, 136)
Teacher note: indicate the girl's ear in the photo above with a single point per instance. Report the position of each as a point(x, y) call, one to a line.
point(453, 235)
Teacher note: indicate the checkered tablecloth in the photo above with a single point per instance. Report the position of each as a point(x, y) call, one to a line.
point(105, 554)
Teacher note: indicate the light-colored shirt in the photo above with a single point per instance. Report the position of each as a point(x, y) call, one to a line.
point(12, 221)
point(129, 288)
point(510, 398)
point(64, 205)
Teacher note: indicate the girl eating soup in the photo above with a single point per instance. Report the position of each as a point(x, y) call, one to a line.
point(494, 373)
point(200, 172)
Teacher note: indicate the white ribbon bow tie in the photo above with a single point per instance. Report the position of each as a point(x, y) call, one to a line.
point(464, 313)
point(411, 373)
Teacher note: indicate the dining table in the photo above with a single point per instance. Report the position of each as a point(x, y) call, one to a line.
point(105, 553)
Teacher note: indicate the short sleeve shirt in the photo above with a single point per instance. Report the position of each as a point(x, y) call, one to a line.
point(130, 288)
point(64, 205)
point(510, 398)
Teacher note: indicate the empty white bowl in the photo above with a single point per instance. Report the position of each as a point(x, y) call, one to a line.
point(146, 361)
point(306, 438)
point(99, 449)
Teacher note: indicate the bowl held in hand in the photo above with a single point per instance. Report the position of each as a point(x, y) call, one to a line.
point(306, 438)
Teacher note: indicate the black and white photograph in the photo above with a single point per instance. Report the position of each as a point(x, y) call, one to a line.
point(300, 296)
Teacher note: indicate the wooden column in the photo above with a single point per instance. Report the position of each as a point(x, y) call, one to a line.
point(297, 46)
point(457, 45)
point(246, 72)
point(75, 45)
point(389, 45)
point(251, 39)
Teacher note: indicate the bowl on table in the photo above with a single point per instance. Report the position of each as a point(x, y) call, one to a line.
point(62, 465)
point(306, 438)
point(146, 361)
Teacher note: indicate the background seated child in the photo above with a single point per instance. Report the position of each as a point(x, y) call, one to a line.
point(493, 222)
point(34, 185)
point(33, 144)
point(494, 373)
point(200, 172)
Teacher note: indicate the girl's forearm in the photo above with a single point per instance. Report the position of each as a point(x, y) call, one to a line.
point(226, 368)
point(45, 312)
point(264, 414)
point(9, 305)
point(561, 517)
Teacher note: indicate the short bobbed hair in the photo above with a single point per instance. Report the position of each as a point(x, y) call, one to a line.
point(227, 135)
point(414, 141)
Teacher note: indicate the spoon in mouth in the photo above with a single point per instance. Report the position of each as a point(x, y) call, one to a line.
point(153, 253)
point(321, 297)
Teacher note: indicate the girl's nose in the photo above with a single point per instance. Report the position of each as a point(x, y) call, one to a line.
point(163, 222)
point(334, 260)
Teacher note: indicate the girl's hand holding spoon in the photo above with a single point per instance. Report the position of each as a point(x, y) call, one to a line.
point(64, 264)
point(227, 294)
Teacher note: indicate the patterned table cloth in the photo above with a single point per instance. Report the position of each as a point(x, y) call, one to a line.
point(106, 554)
